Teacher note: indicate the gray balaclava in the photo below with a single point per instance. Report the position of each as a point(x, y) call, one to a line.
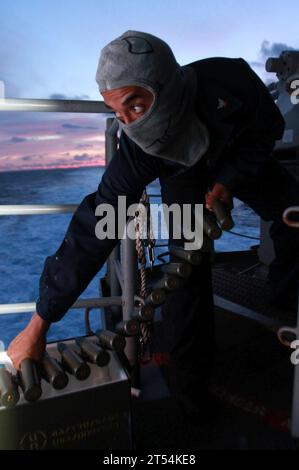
point(170, 128)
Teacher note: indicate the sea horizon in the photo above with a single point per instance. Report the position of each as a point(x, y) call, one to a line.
point(55, 168)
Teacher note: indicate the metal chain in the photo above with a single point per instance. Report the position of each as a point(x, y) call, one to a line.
point(145, 328)
point(139, 227)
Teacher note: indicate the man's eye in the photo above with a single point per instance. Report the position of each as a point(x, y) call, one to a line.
point(138, 109)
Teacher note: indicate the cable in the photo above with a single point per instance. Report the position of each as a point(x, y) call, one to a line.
point(162, 255)
point(244, 236)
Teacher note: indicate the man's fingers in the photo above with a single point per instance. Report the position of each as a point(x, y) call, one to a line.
point(14, 358)
point(228, 202)
point(210, 199)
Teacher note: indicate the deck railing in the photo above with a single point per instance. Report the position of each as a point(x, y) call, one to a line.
point(121, 295)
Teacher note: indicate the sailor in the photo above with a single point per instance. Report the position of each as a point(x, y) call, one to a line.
point(207, 130)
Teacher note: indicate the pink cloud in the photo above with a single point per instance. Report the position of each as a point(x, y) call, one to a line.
point(51, 143)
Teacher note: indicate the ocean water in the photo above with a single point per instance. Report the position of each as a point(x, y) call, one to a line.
point(25, 241)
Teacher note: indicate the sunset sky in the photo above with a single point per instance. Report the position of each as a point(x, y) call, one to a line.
point(50, 49)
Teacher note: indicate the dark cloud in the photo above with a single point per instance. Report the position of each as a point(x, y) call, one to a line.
point(28, 158)
point(17, 140)
point(61, 96)
point(81, 97)
point(269, 82)
point(274, 49)
point(58, 96)
point(83, 146)
point(83, 157)
point(76, 127)
point(267, 50)
point(58, 161)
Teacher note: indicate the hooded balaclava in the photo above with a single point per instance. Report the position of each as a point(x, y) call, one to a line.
point(170, 128)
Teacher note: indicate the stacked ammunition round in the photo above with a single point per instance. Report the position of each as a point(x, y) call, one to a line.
point(156, 297)
point(168, 283)
point(110, 340)
point(53, 373)
point(223, 215)
point(144, 313)
point(73, 362)
point(30, 380)
point(128, 328)
point(182, 270)
point(193, 257)
point(92, 352)
point(9, 393)
point(210, 227)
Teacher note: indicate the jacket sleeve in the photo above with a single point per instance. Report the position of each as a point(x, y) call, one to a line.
point(81, 254)
point(254, 142)
point(245, 159)
point(228, 175)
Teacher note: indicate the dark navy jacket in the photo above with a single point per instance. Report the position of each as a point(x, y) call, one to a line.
point(244, 124)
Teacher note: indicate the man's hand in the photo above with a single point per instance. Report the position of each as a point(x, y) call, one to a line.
point(30, 343)
point(219, 192)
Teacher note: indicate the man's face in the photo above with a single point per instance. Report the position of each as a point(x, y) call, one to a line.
point(129, 102)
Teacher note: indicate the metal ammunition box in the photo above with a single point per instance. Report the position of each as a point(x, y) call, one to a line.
point(90, 414)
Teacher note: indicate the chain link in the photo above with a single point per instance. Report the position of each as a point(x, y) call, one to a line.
point(146, 328)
